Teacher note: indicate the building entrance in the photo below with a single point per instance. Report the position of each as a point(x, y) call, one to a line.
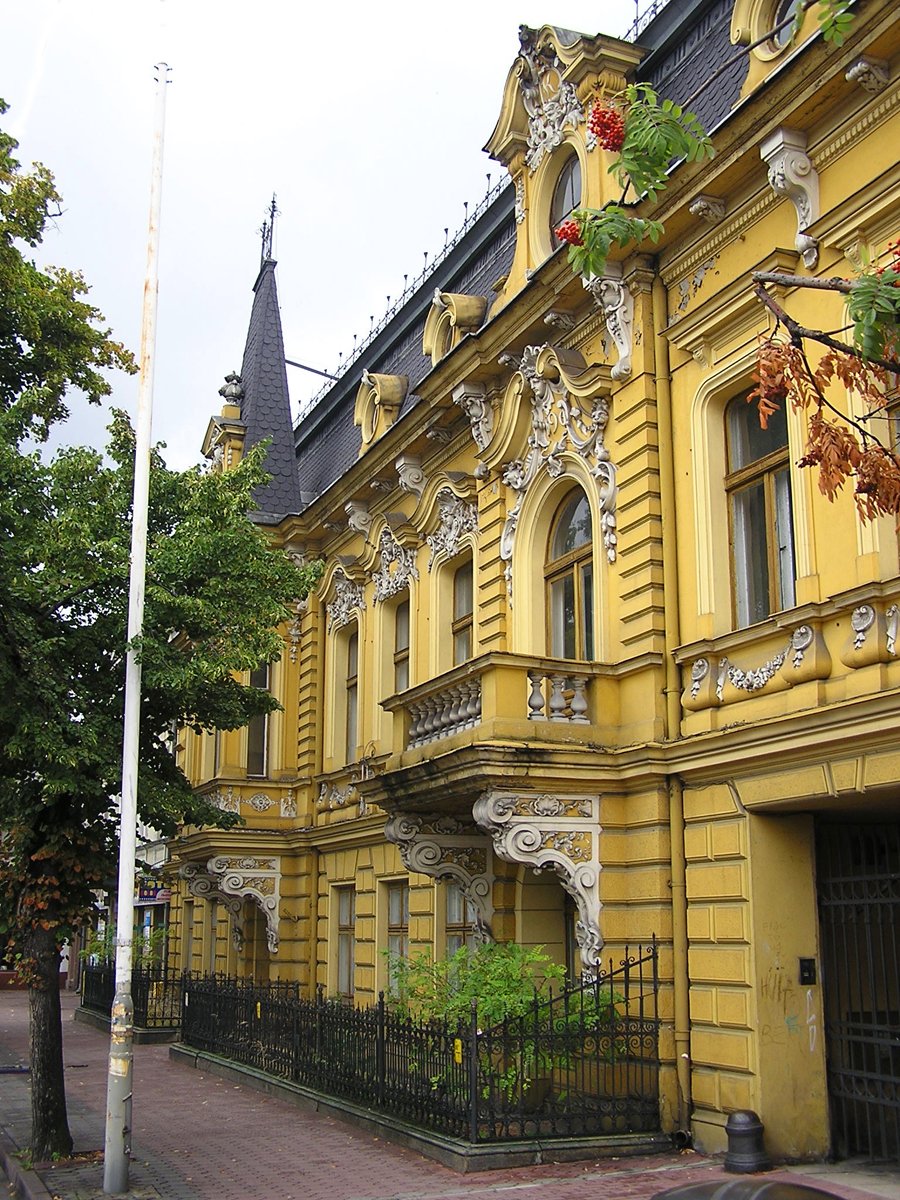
point(858, 886)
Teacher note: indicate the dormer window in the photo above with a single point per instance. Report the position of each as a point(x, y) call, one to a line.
point(566, 194)
point(783, 11)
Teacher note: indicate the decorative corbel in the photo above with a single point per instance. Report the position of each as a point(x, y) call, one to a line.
point(557, 833)
point(792, 175)
point(410, 474)
point(472, 398)
point(359, 518)
point(254, 878)
point(204, 885)
point(445, 848)
point(872, 74)
point(710, 209)
point(614, 297)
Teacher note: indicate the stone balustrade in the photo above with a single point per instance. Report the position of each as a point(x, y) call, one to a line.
point(456, 706)
point(556, 696)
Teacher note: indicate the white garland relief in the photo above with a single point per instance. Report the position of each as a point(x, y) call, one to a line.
point(457, 518)
point(445, 848)
point(397, 566)
point(559, 423)
point(523, 830)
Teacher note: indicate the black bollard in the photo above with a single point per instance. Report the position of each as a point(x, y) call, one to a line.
point(745, 1144)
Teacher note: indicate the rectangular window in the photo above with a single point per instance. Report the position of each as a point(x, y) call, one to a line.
point(187, 935)
point(401, 646)
point(462, 614)
point(352, 711)
point(258, 729)
point(346, 940)
point(398, 919)
point(460, 919)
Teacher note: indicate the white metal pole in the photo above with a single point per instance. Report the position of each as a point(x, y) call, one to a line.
point(119, 1078)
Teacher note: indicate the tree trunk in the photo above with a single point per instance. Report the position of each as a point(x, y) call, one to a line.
point(49, 1122)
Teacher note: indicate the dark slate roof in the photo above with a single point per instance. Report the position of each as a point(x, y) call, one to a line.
point(687, 42)
point(327, 441)
point(266, 408)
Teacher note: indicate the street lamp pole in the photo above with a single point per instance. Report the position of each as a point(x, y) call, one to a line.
point(121, 1055)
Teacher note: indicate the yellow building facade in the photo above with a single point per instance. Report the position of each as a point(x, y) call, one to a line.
point(592, 659)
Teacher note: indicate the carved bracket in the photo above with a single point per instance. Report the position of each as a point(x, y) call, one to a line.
point(792, 175)
point(446, 848)
point(254, 878)
point(556, 833)
point(472, 399)
point(614, 297)
point(206, 886)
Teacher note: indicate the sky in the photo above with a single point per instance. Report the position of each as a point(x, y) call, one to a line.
point(366, 121)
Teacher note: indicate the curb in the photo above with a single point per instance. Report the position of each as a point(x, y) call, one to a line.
point(24, 1182)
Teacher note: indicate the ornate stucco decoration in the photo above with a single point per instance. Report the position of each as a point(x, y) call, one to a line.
point(520, 199)
point(710, 209)
point(377, 406)
point(873, 637)
point(556, 833)
point(551, 102)
point(614, 297)
point(227, 801)
point(410, 475)
point(564, 418)
point(472, 399)
point(445, 848)
point(254, 878)
point(348, 598)
point(295, 628)
point(457, 518)
point(872, 74)
point(803, 658)
point(260, 802)
point(288, 804)
point(202, 884)
point(452, 315)
point(792, 175)
point(332, 796)
point(397, 566)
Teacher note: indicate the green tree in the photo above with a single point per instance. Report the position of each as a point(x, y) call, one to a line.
point(216, 591)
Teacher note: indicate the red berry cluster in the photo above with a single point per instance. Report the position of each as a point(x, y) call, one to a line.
point(568, 231)
point(894, 264)
point(608, 127)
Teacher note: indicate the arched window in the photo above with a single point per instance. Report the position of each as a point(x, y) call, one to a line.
point(566, 194)
point(758, 484)
point(352, 701)
point(570, 580)
point(782, 11)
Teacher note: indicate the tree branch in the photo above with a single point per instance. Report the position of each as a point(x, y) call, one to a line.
point(836, 283)
point(798, 332)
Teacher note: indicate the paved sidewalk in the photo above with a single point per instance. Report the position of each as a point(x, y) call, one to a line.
point(198, 1137)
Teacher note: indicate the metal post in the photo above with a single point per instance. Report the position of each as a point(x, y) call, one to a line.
point(119, 1078)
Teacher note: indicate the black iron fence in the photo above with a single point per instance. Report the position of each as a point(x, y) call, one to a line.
point(583, 1063)
point(156, 992)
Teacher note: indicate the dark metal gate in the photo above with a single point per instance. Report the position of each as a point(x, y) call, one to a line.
point(858, 885)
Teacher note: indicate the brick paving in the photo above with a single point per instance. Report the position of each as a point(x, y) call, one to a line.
point(199, 1137)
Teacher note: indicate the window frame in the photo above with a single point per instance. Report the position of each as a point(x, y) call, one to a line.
point(571, 163)
point(345, 941)
point(462, 624)
point(460, 929)
point(401, 656)
point(766, 470)
point(258, 726)
point(351, 695)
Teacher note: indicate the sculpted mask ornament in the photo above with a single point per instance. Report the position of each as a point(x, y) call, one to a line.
point(348, 598)
point(396, 569)
point(551, 103)
point(457, 519)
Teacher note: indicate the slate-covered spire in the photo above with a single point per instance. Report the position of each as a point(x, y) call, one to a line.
point(265, 408)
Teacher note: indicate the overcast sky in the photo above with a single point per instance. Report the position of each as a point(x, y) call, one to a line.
point(366, 120)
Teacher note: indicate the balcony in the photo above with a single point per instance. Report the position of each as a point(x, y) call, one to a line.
point(514, 697)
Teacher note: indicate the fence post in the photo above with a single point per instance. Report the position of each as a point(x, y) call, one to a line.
point(473, 1074)
point(379, 1050)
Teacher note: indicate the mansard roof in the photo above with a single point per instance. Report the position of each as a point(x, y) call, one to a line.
point(265, 408)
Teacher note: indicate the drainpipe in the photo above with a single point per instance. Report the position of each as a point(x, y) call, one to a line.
point(662, 380)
